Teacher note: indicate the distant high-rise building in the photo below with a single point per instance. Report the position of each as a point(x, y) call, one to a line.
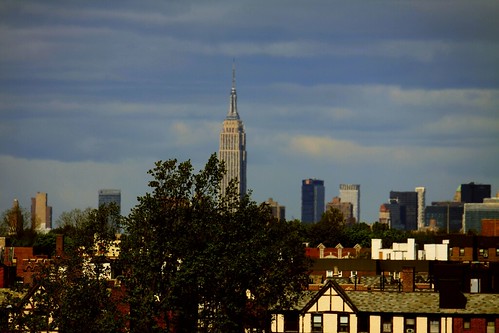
point(41, 214)
point(445, 215)
point(232, 148)
point(346, 209)
point(278, 211)
point(312, 200)
point(107, 196)
point(421, 191)
point(384, 214)
point(407, 205)
point(475, 213)
point(351, 193)
point(474, 193)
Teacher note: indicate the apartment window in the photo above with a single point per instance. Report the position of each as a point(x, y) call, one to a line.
point(491, 326)
point(484, 253)
point(497, 251)
point(434, 325)
point(410, 325)
point(461, 251)
point(317, 323)
point(386, 325)
point(329, 274)
point(466, 324)
point(343, 323)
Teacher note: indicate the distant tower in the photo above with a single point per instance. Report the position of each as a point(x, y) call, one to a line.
point(312, 200)
point(421, 191)
point(233, 144)
point(474, 193)
point(404, 210)
point(41, 214)
point(351, 193)
point(107, 196)
point(278, 211)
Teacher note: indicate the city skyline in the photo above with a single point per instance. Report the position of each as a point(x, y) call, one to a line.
point(389, 95)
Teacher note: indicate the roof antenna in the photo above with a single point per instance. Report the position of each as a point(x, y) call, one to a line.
point(233, 73)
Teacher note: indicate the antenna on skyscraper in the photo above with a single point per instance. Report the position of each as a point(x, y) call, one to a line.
point(233, 73)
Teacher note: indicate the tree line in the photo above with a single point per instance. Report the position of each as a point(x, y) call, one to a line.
point(191, 259)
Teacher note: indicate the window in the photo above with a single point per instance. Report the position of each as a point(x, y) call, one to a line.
point(329, 274)
point(343, 323)
point(434, 325)
point(466, 324)
point(317, 323)
point(461, 251)
point(484, 253)
point(291, 322)
point(491, 326)
point(386, 325)
point(497, 251)
point(410, 325)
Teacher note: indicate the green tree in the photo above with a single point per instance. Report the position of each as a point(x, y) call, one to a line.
point(329, 230)
point(357, 233)
point(73, 290)
point(195, 257)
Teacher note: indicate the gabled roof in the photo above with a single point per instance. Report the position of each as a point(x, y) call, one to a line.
point(309, 298)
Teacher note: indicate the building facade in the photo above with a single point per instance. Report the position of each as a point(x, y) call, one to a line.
point(421, 191)
point(346, 209)
point(41, 213)
point(445, 215)
point(107, 196)
point(474, 213)
point(278, 211)
point(404, 210)
point(351, 193)
point(474, 193)
point(232, 148)
point(312, 200)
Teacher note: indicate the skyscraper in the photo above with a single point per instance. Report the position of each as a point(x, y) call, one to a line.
point(312, 200)
point(107, 196)
point(474, 193)
point(232, 148)
point(351, 193)
point(421, 191)
point(278, 211)
point(404, 210)
point(41, 214)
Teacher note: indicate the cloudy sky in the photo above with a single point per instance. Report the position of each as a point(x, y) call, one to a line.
point(386, 94)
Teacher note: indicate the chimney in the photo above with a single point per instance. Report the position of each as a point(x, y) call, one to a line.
point(450, 295)
point(59, 245)
point(407, 276)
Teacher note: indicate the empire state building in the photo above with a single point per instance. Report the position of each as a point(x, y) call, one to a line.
point(233, 144)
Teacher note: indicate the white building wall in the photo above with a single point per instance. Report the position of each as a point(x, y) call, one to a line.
point(375, 247)
point(421, 325)
point(375, 324)
point(398, 324)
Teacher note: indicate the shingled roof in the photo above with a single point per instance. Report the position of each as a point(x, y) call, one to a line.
point(420, 302)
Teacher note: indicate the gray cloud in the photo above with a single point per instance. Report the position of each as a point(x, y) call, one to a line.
point(388, 94)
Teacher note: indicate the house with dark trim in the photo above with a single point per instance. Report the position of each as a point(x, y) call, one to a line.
point(333, 309)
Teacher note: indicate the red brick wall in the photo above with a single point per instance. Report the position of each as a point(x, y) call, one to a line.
point(478, 325)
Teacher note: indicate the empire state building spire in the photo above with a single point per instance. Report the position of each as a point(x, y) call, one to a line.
point(233, 97)
point(232, 148)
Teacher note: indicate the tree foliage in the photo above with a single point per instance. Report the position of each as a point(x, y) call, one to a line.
point(197, 258)
point(72, 290)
